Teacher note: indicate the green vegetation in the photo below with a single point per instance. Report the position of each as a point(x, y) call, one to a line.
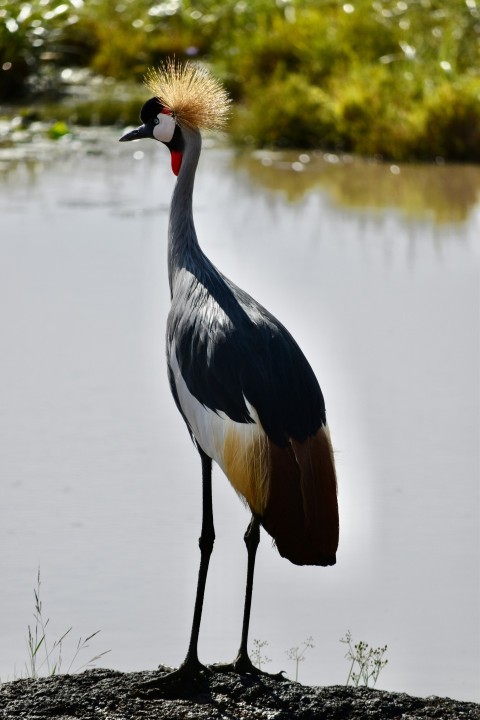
point(366, 662)
point(297, 654)
point(392, 78)
point(48, 658)
point(258, 658)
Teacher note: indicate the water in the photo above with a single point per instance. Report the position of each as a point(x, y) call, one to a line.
point(375, 271)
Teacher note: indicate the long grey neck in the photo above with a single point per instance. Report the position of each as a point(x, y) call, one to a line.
point(182, 238)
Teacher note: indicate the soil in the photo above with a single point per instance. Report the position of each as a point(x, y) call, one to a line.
point(109, 695)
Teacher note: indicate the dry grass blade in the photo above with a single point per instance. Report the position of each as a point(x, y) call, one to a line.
point(40, 653)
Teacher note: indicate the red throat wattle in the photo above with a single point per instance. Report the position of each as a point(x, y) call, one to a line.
point(176, 161)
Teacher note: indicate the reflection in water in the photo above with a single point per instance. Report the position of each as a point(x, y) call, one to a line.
point(444, 193)
point(22, 162)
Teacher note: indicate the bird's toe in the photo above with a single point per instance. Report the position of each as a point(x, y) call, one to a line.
point(183, 681)
point(244, 666)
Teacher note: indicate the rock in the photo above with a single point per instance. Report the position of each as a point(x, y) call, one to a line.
point(109, 695)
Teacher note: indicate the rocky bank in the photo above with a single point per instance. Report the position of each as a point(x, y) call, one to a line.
point(109, 695)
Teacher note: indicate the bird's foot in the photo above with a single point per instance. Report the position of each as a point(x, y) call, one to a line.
point(244, 666)
point(185, 680)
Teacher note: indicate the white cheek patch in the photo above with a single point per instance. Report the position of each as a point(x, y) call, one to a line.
point(165, 128)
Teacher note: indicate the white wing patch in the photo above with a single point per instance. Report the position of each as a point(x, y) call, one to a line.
point(240, 449)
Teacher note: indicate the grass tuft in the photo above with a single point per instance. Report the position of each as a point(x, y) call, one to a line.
point(366, 663)
point(46, 657)
point(297, 654)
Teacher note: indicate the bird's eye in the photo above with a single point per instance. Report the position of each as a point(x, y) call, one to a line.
point(156, 121)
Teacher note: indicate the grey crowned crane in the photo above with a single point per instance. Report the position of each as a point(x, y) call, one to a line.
point(249, 398)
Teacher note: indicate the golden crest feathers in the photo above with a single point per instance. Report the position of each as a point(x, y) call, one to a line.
point(195, 97)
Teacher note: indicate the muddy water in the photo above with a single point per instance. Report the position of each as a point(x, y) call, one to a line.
point(375, 270)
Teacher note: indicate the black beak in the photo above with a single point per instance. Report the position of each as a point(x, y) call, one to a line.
point(138, 134)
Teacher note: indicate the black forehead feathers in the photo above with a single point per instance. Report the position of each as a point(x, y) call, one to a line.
point(151, 109)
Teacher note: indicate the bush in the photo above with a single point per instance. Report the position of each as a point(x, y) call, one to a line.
point(35, 38)
point(287, 113)
point(395, 79)
point(451, 122)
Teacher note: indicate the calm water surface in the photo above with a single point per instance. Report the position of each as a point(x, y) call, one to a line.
point(375, 270)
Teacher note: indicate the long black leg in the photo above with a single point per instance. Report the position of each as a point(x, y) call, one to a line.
point(242, 663)
point(191, 669)
point(206, 540)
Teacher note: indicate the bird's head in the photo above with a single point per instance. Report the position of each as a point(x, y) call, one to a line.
point(159, 124)
point(185, 96)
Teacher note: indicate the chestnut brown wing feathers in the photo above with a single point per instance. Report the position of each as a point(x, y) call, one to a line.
point(301, 513)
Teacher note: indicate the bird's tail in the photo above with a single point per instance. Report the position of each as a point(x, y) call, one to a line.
point(301, 513)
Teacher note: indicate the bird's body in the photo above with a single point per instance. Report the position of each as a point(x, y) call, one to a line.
point(249, 397)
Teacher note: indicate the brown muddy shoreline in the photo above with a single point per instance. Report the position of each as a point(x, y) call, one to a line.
point(114, 695)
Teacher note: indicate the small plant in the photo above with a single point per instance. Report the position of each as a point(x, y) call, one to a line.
point(366, 662)
point(40, 654)
point(297, 654)
point(257, 658)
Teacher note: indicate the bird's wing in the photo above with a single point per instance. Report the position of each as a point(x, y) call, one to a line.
point(233, 354)
point(301, 511)
point(252, 402)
